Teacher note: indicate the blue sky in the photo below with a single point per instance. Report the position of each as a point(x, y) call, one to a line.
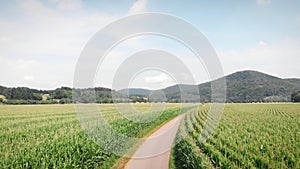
point(41, 40)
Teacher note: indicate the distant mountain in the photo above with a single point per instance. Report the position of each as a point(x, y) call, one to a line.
point(253, 86)
point(243, 86)
point(294, 81)
point(182, 93)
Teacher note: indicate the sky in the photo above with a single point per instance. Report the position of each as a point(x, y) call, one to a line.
point(41, 40)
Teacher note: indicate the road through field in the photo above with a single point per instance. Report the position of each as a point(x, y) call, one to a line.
point(155, 151)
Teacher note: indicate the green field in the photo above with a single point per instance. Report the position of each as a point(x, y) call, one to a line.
point(50, 136)
point(248, 136)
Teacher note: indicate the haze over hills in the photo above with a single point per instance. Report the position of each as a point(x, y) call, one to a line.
point(243, 86)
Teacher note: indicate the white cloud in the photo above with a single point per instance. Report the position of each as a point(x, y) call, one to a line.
point(138, 6)
point(24, 64)
point(43, 44)
point(69, 4)
point(45, 41)
point(277, 58)
point(157, 79)
point(53, 1)
point(36, 74)
point(131, 46)
point(47, 32)
point(28, 78)
point(5, 39)
point(263, 2)
point(262, 43)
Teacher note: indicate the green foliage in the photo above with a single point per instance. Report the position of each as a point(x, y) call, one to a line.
point(138, 98)
point(21, 93)
point(18, 102)
point(248, 136)
point(63, 92)
point(186, 157)
point(242, 87)
point(64, 95)
point(65, 101)
point(295, 97)
point(2, 99)
point(47, 102)
point(50, 136)
point(15, 101)
point(37, 96)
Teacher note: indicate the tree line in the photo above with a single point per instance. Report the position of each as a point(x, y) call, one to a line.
point(64, 95)
point(296, 97)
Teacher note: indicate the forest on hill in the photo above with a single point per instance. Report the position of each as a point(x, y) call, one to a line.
point(244, 86)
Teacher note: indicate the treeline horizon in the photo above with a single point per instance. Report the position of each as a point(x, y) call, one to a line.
point(101, 95)
point(65, 95)
point(242, 87)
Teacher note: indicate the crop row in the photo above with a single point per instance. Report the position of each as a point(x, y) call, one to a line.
point(245, 138)
point(56, 139)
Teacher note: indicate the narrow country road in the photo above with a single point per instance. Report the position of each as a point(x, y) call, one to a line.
point(154, 153)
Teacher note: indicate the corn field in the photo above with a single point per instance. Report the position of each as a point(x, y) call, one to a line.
point(248, 136)
point(50, 136)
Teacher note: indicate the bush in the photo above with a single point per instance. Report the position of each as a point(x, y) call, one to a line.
point(37, 96)
point(296, 97)
point(65, 101)
point(47, 102)
point(15, 101)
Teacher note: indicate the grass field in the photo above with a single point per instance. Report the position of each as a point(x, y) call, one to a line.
point(50, 136)
point(248, 136)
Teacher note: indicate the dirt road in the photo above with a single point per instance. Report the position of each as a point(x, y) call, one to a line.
point(154, 153)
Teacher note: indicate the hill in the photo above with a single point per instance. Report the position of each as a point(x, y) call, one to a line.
point(253, 86)
point(243, 86)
